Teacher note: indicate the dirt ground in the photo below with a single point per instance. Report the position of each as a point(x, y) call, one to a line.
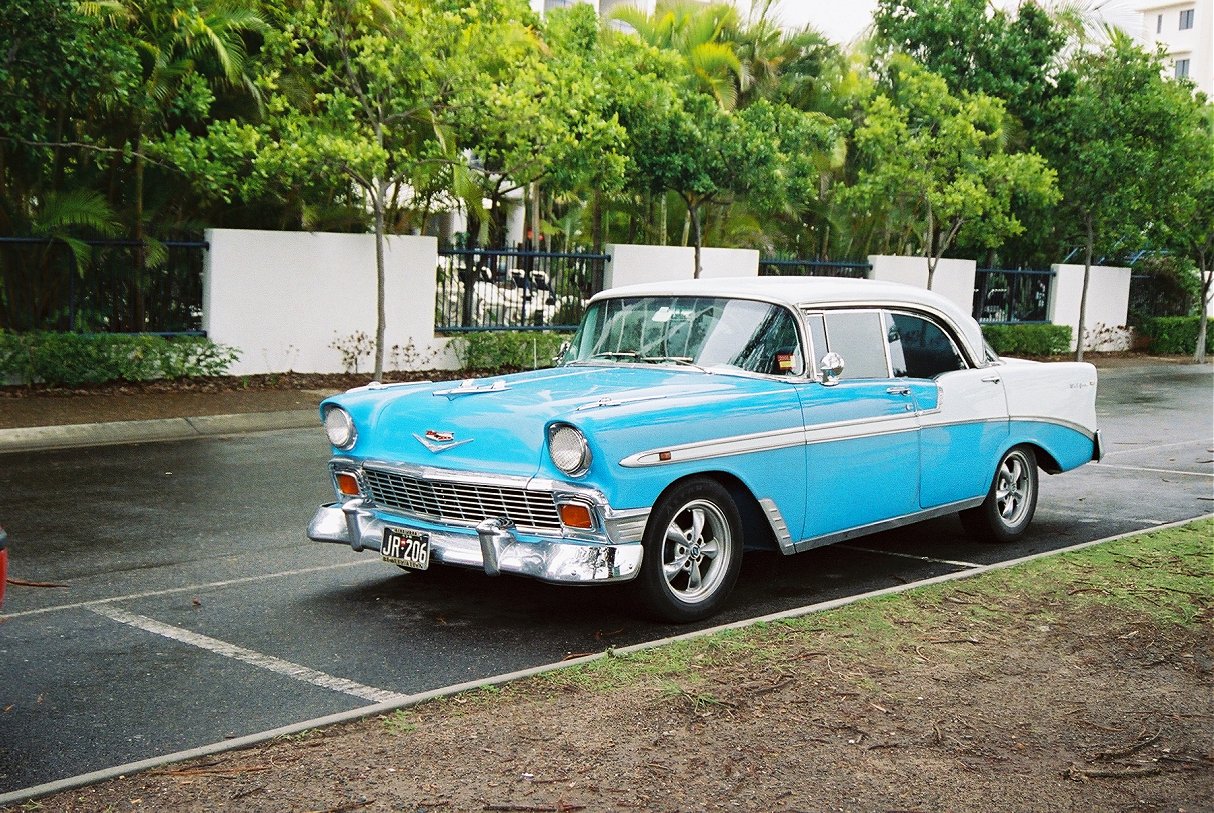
point(1071, 708)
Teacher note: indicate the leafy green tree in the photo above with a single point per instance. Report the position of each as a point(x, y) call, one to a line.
point(184, 52)
point(547, 118)
point(60, 71)
point(1123, 143)
point(699, 34)
point(1190, 225)
point(937, 161)
point(353, 92)
point(977, 48)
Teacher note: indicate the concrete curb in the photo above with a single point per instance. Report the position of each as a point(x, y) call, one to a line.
point(36, 438)
point(122, 771)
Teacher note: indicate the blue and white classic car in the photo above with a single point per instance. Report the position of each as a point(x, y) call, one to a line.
point(689, 421)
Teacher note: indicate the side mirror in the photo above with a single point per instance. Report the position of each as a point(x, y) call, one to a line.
point(830, 368)
point(559, 358)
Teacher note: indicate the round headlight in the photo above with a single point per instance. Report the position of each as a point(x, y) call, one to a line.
point(568, 449)
point(339, 426)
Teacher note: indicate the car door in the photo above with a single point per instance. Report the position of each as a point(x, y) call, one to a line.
point(862, 442)
point(962, 409)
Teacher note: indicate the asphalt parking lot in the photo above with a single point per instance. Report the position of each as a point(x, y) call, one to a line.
point(194, 610)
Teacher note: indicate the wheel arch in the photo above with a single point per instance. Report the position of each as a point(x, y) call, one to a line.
point(756, 530)
point(1045, 459)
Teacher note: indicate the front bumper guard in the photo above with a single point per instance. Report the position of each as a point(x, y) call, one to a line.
point(493, 546)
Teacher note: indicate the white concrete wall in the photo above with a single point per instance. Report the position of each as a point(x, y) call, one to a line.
point(284, 298)
point(634, 264)
point(954, 279)
point(1108, 305)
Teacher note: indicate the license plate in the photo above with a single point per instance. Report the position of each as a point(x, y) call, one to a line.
point(406, 548)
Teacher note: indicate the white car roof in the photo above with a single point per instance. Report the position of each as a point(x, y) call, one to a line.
point(808, 292)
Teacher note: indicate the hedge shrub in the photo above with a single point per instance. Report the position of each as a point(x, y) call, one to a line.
point(507, 349)
point(1175, 335)
point(1028, 340)
point(72, 359)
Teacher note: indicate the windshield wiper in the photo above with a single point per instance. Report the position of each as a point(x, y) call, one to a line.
point(616, 354)
point(686, 361)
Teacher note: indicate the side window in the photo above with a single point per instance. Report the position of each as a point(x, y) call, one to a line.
point(859, 338)
point(919, 348)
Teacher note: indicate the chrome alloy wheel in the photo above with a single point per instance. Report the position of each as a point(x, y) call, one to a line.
point(697, 552)
point(1012, 487)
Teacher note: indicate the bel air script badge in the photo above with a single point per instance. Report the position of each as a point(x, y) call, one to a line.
point(437, 441)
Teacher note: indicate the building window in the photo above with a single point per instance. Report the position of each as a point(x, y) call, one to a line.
point(1182, 68)
point(1186, 19)
point(1159, 24)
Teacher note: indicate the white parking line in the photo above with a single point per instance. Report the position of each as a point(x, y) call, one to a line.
point(1157, 471)
point(249, 656)
point(1151, 447)
point(193, 588)
point(910, 556)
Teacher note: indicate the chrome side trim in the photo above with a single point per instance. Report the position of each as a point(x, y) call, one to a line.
point(778, 526)
point(1065, 424)
point(937, 424)
point(778, 439)
point(718, 447)
point(885, 525)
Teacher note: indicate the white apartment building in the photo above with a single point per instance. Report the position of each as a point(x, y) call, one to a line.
point(1186, 30)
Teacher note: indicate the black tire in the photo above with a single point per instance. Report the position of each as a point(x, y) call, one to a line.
point(692, 552)
point(1009, 506)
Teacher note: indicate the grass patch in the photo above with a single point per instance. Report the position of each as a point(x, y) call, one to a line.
point(1166, 576)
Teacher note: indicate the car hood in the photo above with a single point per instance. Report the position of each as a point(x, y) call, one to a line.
point(498, 424)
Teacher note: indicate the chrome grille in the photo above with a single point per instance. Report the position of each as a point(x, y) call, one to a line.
point(462, 503)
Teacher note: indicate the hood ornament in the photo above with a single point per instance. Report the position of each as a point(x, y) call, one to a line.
point(471, 387)
point(438, 441)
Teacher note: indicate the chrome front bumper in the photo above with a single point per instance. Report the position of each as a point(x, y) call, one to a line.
point(495, 546)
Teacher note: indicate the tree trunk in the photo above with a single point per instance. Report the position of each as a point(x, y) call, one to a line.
point(1089, 250)
point(138, 236)
point(929, 250)
point(380, 279)
point(535, 215)
point(662, 219)
point(1207, 281)
point(693, 214)
point(596, 221)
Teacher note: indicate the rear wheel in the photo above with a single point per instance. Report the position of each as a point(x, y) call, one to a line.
point(693, 552)
point(1008, 509)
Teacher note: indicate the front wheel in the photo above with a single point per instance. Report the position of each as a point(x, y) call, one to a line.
point(693, 552)
point(1008, 509)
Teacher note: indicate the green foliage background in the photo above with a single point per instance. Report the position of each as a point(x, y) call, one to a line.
point(1014, 137)
point(72, 359)
point(1175, 335)
point(1028, 340)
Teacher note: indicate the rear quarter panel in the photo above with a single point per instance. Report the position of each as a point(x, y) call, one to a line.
point(1053, 405)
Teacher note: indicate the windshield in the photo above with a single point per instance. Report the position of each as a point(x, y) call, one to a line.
point(703, 331)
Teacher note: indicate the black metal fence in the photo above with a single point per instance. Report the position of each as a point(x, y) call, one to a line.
point(1003, 296)
point(791, 267)
point(44, 285)
point(517, 288)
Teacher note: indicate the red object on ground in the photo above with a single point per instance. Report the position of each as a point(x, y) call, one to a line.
point(3, 563)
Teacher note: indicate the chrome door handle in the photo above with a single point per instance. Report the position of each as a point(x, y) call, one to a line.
point(992, 379)
point(898, 390)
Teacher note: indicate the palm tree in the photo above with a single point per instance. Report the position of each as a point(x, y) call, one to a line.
point(178, 45)
point(700, 35)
